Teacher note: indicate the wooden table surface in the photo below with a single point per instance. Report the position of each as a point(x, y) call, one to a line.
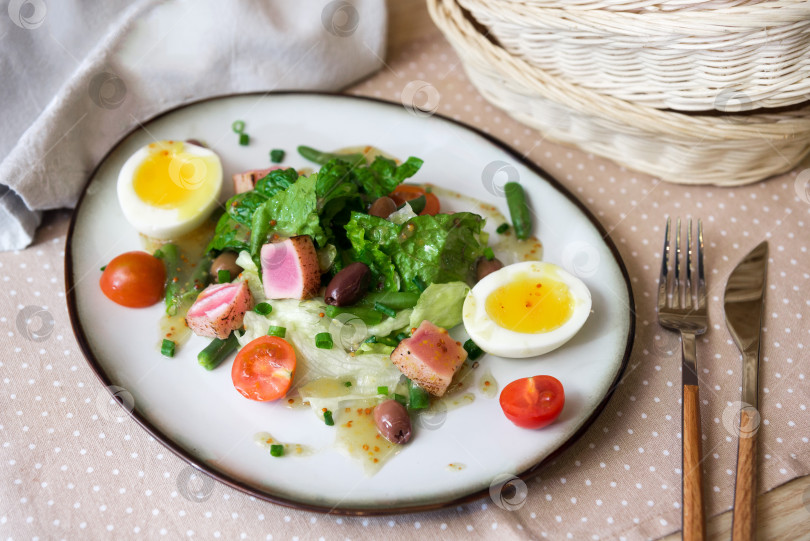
point(782, 513)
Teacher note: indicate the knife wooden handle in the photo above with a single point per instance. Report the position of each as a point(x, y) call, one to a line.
point(694, 521)
point(744, 520)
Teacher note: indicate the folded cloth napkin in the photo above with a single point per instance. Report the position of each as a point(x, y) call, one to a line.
point(104, 68)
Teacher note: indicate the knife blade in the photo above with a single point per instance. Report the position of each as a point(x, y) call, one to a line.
point(743, 303)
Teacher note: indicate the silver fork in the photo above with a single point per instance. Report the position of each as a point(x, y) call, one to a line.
point(678, 311)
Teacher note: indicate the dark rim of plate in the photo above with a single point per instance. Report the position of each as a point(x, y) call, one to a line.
point(223, 477)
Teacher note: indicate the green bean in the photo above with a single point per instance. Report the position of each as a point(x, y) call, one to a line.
point(369, 316)
point(215, 352)
point(171, 259)
point(191, 289)
point(321, 157)
point(179, 297)
point(418, 398)
point(201, 276)
point(397, 300)
point(518, 209)
point(387, 340)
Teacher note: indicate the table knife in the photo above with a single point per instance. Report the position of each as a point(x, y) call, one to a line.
point(743, 302)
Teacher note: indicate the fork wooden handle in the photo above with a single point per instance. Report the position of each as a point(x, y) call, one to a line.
point(745, 490)
point(694, 521)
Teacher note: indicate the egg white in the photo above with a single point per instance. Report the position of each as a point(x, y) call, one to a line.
point(497, 340)
point(168, 223)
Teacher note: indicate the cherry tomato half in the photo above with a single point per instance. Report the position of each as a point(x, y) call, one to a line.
point(134, 279)
point(406, 192)
point(263, 370)
point(533, 402)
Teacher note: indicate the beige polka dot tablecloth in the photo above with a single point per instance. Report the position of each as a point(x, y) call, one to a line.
point(71, 471)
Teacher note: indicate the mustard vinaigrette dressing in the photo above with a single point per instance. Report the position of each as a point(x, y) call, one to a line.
point(358, 438)
point(265, 440)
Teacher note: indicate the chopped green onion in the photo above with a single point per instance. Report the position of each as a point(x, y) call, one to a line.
point(244, 139)
point(401, 336)
point(281, 332)
point(223, 276)
point(472, 349)
point(419, 283)
point(323, 340)
point(383, 309)
point(276, 155)
point(238, 126)
point(418, 397)
point(488, 253)
point(103, 268)
point(347, 383)
point(167, 348)
point(276, 449)
point(503, 228)
point(370, 340)
point(327, 418)
point(401, 399)
point(382, 389)
point(263, 308)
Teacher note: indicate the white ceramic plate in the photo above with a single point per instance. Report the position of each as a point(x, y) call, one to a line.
point(201, 417)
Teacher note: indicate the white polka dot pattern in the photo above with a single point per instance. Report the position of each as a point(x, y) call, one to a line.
point(72, 469)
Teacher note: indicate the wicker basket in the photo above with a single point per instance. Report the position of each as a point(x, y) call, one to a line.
point(723, 149)
point(727, 56)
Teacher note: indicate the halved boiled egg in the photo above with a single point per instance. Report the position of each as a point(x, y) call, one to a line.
point(526, 309)
point(168, 188)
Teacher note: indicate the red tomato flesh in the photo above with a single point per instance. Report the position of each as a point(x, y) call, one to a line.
point(405, 192)
point(533, 402)
point(134, 280)
point(263, 370)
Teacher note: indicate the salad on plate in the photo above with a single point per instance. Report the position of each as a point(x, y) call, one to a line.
point(344, 289)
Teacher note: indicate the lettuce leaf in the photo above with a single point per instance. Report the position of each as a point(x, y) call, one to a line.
point(229, 234)
point(441, 304)
point(276, 181)
point(367, 235)
point(302, 321)
point(382, 175)
point(319, 205)
point(295, 211)
point(437, 249)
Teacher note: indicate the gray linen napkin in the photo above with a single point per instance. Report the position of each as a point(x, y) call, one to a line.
point(76, 77)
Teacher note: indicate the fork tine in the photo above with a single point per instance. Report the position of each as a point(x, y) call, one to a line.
point(676, 288)
point(662, 278)
point(701, 289)
point(687, 299)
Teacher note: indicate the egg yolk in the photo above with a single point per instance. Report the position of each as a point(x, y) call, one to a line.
point(531, 305)
point(171, 178)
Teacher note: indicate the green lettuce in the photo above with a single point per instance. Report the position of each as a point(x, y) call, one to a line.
point(441, 304)
point(319, 205)
point(436, 249)
point(382, 175)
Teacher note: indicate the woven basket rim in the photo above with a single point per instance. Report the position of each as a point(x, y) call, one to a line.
point(699, 23)
point(759, 124)
point(635, 6)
